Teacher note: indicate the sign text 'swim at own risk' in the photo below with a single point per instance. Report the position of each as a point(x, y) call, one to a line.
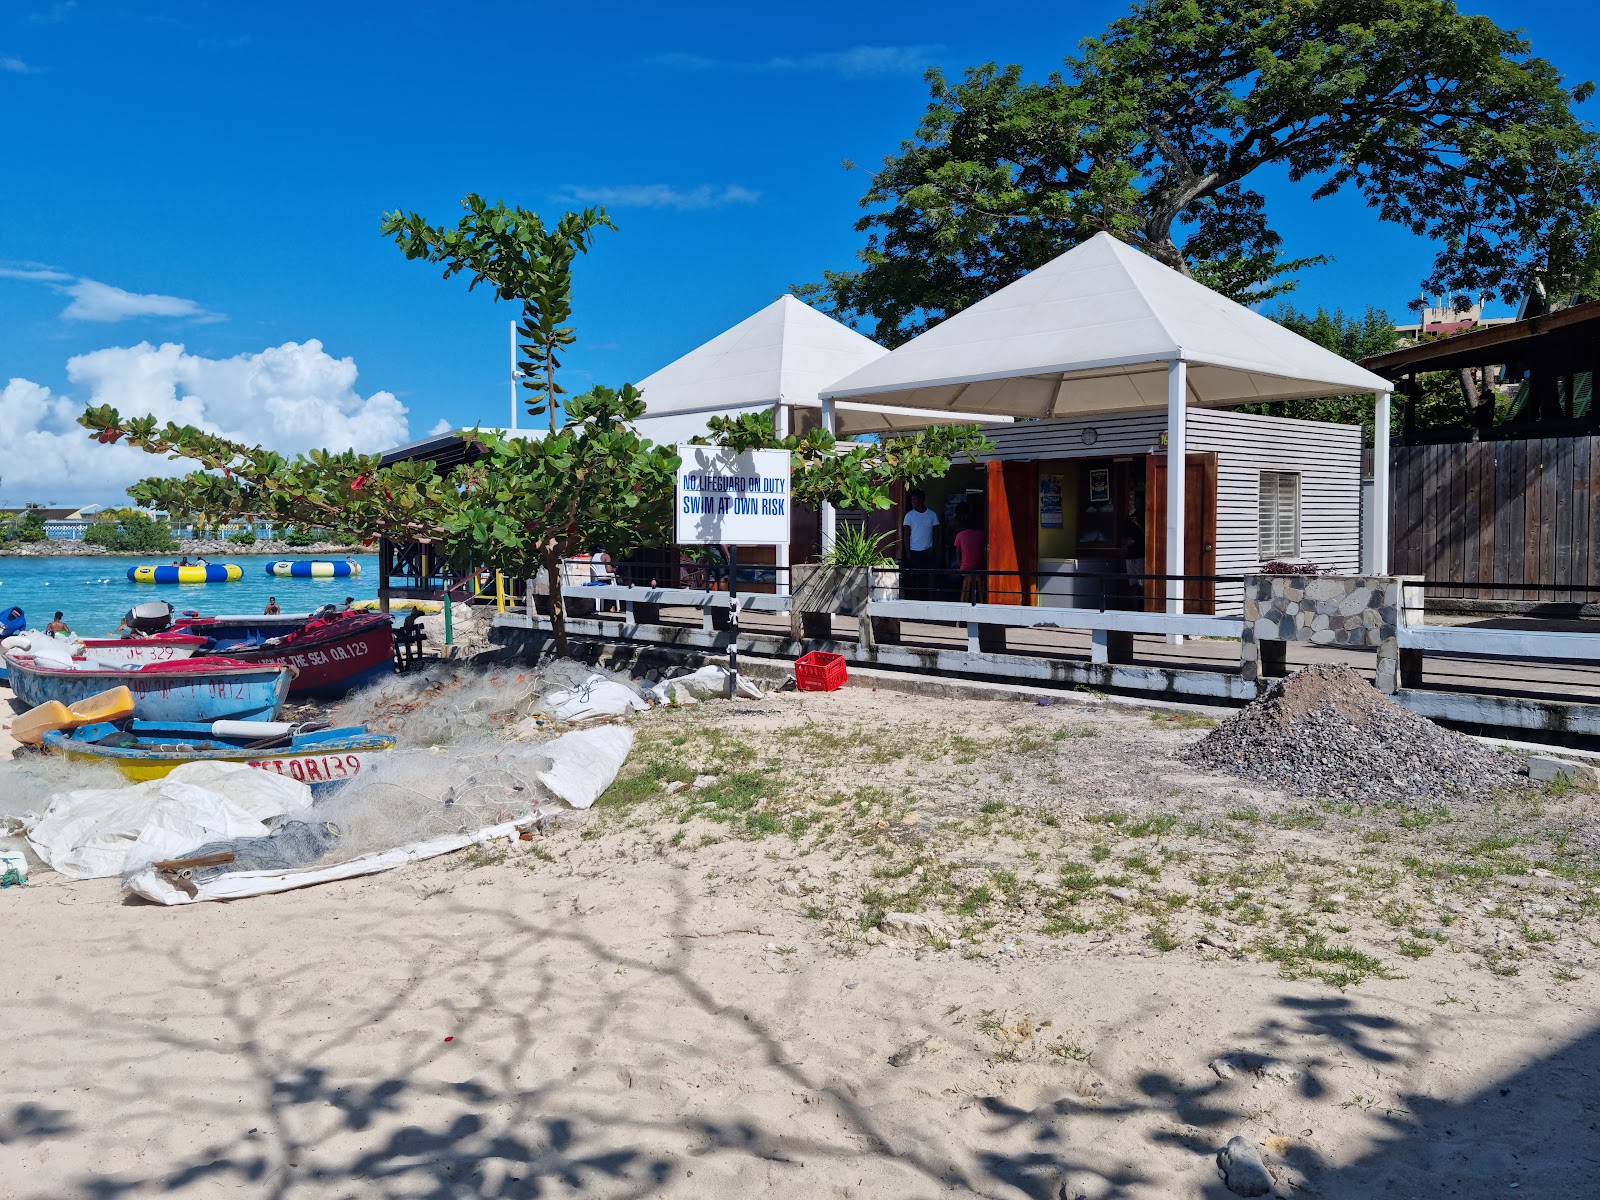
point(724, 498)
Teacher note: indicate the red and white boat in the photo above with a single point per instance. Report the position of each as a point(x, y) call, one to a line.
point(331, 653)
point(141, 650)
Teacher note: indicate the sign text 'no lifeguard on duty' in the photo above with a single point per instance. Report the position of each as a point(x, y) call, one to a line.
point(733, 499)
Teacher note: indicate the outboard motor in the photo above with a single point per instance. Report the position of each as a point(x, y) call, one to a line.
point(151, 617)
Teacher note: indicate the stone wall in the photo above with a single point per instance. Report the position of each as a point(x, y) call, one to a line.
point(1324, 610)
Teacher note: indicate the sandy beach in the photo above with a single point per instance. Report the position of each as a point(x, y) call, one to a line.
point(693, 990)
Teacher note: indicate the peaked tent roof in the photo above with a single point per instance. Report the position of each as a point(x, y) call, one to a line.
point(784, 352)
point(1093, 331)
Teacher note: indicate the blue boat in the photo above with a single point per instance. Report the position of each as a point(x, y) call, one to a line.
point(186, 690)
point(144, 750)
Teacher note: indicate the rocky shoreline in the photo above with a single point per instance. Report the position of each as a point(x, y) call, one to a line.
point(205, 548)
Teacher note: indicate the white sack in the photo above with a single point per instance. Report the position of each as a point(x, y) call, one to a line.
point(238, 885)
point(87, 834)
point(708, 683)
point(583, 764)
point(596, 696)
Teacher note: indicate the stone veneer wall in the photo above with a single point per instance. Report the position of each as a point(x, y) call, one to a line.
point(1325, 610)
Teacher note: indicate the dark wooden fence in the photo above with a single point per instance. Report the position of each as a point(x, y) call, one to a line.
point(1487, 515)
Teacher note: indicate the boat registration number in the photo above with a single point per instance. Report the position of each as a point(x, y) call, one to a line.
point(324, 768)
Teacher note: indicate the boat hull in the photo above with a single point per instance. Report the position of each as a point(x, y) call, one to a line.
point(252, 693)
point(330, 659)
point(321, 765)
point(142, 650)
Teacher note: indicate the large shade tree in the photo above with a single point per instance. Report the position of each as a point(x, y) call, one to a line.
point(1161, 129)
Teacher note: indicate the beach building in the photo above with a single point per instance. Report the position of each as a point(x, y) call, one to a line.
point(1109, 363)
point(1509, 494)
point(61, 523)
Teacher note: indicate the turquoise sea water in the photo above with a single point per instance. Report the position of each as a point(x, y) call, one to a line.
point(95, 592)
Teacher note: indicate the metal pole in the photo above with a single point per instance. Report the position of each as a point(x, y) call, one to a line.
point(733, 622)
point(1177, 463)
point(780, 557)
point(828, 525)
point(513, 375)
point(1380, 483)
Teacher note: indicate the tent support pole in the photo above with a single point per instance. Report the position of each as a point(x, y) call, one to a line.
point(1177, 476)
point(780, 426)
point(1380, 483)
point(828, 524)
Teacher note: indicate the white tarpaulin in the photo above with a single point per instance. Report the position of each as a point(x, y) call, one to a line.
point(597, 696)
point(708, 683)
point(89, 834)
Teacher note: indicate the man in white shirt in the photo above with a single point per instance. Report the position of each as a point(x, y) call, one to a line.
point(924, 541)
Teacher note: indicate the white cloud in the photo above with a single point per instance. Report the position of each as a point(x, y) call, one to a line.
point(53, 15)
point(96, 301)
point(16, 66)
point(441, 427)
point(856, 62)
point(290, 398)
point(661, 195)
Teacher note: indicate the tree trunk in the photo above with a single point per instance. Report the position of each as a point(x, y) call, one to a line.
point(558, 612)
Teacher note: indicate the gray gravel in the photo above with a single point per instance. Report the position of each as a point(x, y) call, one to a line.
point(1326, 732)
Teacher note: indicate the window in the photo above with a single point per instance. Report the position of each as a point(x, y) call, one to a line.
point(1278, 518)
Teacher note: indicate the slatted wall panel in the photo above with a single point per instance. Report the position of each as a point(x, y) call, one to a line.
point(1483, 515)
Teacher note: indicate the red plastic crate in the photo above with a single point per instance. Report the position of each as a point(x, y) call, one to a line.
point(820, 672)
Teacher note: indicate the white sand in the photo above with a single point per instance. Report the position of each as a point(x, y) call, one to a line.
point(633, 1025)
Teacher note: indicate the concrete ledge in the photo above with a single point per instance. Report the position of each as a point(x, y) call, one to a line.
point(1169, 683)
point(1500, 643)
point(1550, 720)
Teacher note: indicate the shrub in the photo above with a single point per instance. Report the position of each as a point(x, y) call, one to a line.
point(300, 535)
point(129, 531)
point(242, 537)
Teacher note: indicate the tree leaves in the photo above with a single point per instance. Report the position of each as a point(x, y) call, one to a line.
point(1443, 122)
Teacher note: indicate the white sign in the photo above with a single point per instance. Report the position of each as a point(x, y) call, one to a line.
point(733, 499)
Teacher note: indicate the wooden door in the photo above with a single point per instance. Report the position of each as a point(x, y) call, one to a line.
point(1199, 531)
point(1013, 504)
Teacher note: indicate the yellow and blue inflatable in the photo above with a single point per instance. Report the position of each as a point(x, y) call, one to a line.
point(206, 573)
point(312, 569)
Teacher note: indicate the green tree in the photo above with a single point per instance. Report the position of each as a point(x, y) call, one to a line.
point(523, 501)
point(851, 474)
point(30, 525)
point(1157, 131)
point(511, 250)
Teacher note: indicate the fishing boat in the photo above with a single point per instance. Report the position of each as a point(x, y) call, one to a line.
point(331, 651)
point(144, 750)
point(204, 573)
point(158, 648)
point(214, 689)
point(302, 568)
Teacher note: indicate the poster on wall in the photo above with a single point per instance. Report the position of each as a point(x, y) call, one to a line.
point(1100, 486)
point(1050, 514)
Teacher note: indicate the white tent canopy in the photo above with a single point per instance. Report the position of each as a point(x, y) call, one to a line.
point(1104, 328)
point(779, 356)
point(1092, 332)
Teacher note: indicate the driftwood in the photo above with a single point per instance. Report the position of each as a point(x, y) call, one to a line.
point(221, 858)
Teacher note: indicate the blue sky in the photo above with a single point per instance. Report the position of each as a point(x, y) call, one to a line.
point(212, 174)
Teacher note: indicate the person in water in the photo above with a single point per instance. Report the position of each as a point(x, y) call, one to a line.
point(348, 601)
point(272, 609)
point(58, 627)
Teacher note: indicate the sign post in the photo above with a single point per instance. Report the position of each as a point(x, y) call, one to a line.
point(732, 499)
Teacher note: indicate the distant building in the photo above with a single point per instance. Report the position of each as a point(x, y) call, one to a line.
point(1446, 322)
point(60, 524)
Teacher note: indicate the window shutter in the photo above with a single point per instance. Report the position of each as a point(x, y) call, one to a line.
point(1278, 515)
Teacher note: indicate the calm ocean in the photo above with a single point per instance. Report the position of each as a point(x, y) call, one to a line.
point(95, 592)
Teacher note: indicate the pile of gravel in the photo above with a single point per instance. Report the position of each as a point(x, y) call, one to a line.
point(1325, 731)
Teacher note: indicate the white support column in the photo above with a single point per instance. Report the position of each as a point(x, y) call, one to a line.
point(1177, 461)
point(780, 426)
point(1380, 483)
point(828, 524)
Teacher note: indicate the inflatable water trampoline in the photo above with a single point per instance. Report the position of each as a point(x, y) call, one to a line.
point(312, 569)
point(206, 573)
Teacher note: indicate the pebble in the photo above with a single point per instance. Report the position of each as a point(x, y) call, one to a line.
point(701, 782)
point(1121, 893)
point(912, 1051)
point(1242, 1169)
point(911, 927)
point(673, 787)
